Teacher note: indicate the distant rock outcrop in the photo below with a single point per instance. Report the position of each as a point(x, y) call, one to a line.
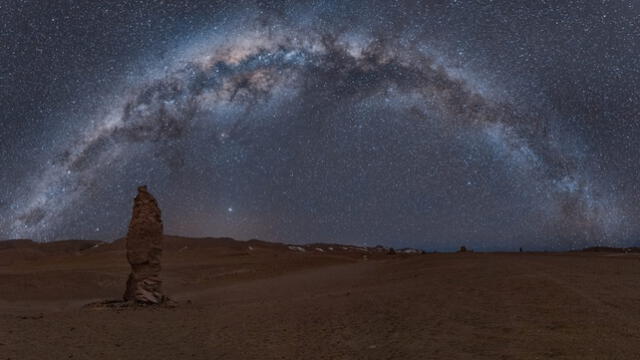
point(144, 249)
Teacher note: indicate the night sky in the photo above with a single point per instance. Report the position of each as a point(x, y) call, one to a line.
point(491, 124)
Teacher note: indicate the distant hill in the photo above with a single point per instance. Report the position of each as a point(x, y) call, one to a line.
point(611, 249)
point(62, 246)
point(24, 249)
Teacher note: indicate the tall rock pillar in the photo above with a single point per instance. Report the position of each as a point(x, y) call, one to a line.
point(144, 248)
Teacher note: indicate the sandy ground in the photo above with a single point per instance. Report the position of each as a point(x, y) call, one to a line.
point(260, 301)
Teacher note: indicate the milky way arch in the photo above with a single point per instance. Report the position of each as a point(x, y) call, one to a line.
point(219, 85)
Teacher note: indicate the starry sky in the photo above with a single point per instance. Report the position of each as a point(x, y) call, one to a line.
point(431, 124)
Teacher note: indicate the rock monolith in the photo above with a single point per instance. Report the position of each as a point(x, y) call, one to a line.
point(144, 249)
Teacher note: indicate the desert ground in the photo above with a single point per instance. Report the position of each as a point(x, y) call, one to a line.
point(257, 300)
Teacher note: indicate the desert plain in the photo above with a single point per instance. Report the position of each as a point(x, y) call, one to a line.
point(259, 300)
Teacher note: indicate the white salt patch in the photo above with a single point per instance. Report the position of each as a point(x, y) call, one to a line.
point(410, 251)
point(297, 248)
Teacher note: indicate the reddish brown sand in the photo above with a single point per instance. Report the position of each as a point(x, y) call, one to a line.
point(271, 302)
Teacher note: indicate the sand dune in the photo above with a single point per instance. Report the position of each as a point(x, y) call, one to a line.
point(259, 300)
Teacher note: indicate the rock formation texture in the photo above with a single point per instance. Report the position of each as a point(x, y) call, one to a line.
point(144, 249)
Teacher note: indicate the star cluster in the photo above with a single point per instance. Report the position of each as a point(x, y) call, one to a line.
point(430, 125)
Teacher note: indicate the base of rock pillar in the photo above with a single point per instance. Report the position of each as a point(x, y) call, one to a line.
point(146, 290)
point(122, 304)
